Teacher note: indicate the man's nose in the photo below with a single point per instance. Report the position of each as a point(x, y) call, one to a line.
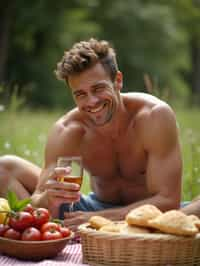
point(92, 100)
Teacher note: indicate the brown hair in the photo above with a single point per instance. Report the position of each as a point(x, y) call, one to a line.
point(85, 54)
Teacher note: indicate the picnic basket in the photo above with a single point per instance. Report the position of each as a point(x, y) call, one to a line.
point(152, 249)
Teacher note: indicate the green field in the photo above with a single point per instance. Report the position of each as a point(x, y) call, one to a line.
point(25, 133)
point(189, 126)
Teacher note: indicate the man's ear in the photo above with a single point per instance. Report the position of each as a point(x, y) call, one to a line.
point(119, 80)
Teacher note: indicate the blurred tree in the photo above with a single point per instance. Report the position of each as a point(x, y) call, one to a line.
point(5, 22)
point(148, 40)
point(156, 39)
point(38, 34)
point(188, 14)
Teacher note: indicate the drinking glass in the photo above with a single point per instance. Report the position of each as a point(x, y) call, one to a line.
point(76, 174)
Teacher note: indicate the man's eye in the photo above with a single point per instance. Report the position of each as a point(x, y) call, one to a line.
point(79, 96)
point(99, 89)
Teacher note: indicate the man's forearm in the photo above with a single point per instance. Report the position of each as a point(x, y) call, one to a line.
point(192, 208)
point(163, 203)
point(39, 199)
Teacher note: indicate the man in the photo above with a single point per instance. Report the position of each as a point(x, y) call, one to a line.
point(128, 142)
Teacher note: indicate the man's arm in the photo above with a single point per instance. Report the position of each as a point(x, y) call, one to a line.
point(39, 197)
point(159, 135)
point(192, 208)
point(52, 151)
point(63, 140)
point(164, 163)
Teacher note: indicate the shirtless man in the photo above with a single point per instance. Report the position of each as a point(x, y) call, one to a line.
point(128, 141)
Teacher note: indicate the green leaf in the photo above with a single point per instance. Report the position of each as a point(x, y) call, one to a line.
point(21, 204)
point(12, 199)
point(15, 203)
point(58, 221)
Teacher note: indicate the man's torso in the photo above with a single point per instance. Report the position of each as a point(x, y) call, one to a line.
point(117, 164)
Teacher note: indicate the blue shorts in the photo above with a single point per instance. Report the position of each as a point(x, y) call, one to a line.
point(91, 203)
point(184, 203)
point(88, 203)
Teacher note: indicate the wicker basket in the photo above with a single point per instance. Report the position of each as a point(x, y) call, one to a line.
point(110, 249)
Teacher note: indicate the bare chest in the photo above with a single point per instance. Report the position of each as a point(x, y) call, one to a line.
point(108, 158)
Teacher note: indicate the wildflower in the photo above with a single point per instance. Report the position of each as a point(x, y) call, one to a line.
point(27, 152)
point(196, 169)
point(2, 108)
point(35, 154)
point(42, 138)
point(7, 145)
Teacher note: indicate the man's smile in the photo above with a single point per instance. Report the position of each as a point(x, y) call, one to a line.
point(97, 109)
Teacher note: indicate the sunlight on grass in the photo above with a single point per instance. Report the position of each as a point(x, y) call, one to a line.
point(25, 134)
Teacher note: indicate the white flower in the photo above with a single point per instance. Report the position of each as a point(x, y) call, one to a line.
point(2, 108)
point(27, 152)
point(42, 138)
point(196, 169)
point(35, 154)
point(7, 145)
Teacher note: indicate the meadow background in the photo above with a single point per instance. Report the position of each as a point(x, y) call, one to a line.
point(158, 51)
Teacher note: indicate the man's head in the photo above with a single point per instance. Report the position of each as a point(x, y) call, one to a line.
point(86, 54)
point(92, 74)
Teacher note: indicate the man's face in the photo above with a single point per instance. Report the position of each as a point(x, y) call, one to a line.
point(95, 94)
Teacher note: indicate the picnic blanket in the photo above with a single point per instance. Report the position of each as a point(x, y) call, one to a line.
point(71, 256)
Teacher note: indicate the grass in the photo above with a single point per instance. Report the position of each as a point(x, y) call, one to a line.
point(190, 142)
point(25, 133)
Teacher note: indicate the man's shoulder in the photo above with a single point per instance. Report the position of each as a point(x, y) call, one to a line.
point(155, 122)
point(150, 114)
point(66, 135)
point(70, 124)
point(144, 105)
point(141, 99)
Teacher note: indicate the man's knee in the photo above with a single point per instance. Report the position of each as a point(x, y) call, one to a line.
point(7, 166)
point(16, 169)
point(8, 162)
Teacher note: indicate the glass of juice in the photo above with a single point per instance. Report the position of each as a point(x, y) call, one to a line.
point(76, 174)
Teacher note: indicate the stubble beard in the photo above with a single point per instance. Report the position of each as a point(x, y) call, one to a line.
point(108, 117)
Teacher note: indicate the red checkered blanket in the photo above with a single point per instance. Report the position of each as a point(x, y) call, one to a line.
point(70, 256)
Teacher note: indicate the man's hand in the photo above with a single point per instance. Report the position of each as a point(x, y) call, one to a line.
point(60, 192)
point(74, 219)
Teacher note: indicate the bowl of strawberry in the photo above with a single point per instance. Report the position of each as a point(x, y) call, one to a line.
point(29, 233)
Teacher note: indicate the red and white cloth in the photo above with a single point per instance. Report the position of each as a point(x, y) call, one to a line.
point(70, 256)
